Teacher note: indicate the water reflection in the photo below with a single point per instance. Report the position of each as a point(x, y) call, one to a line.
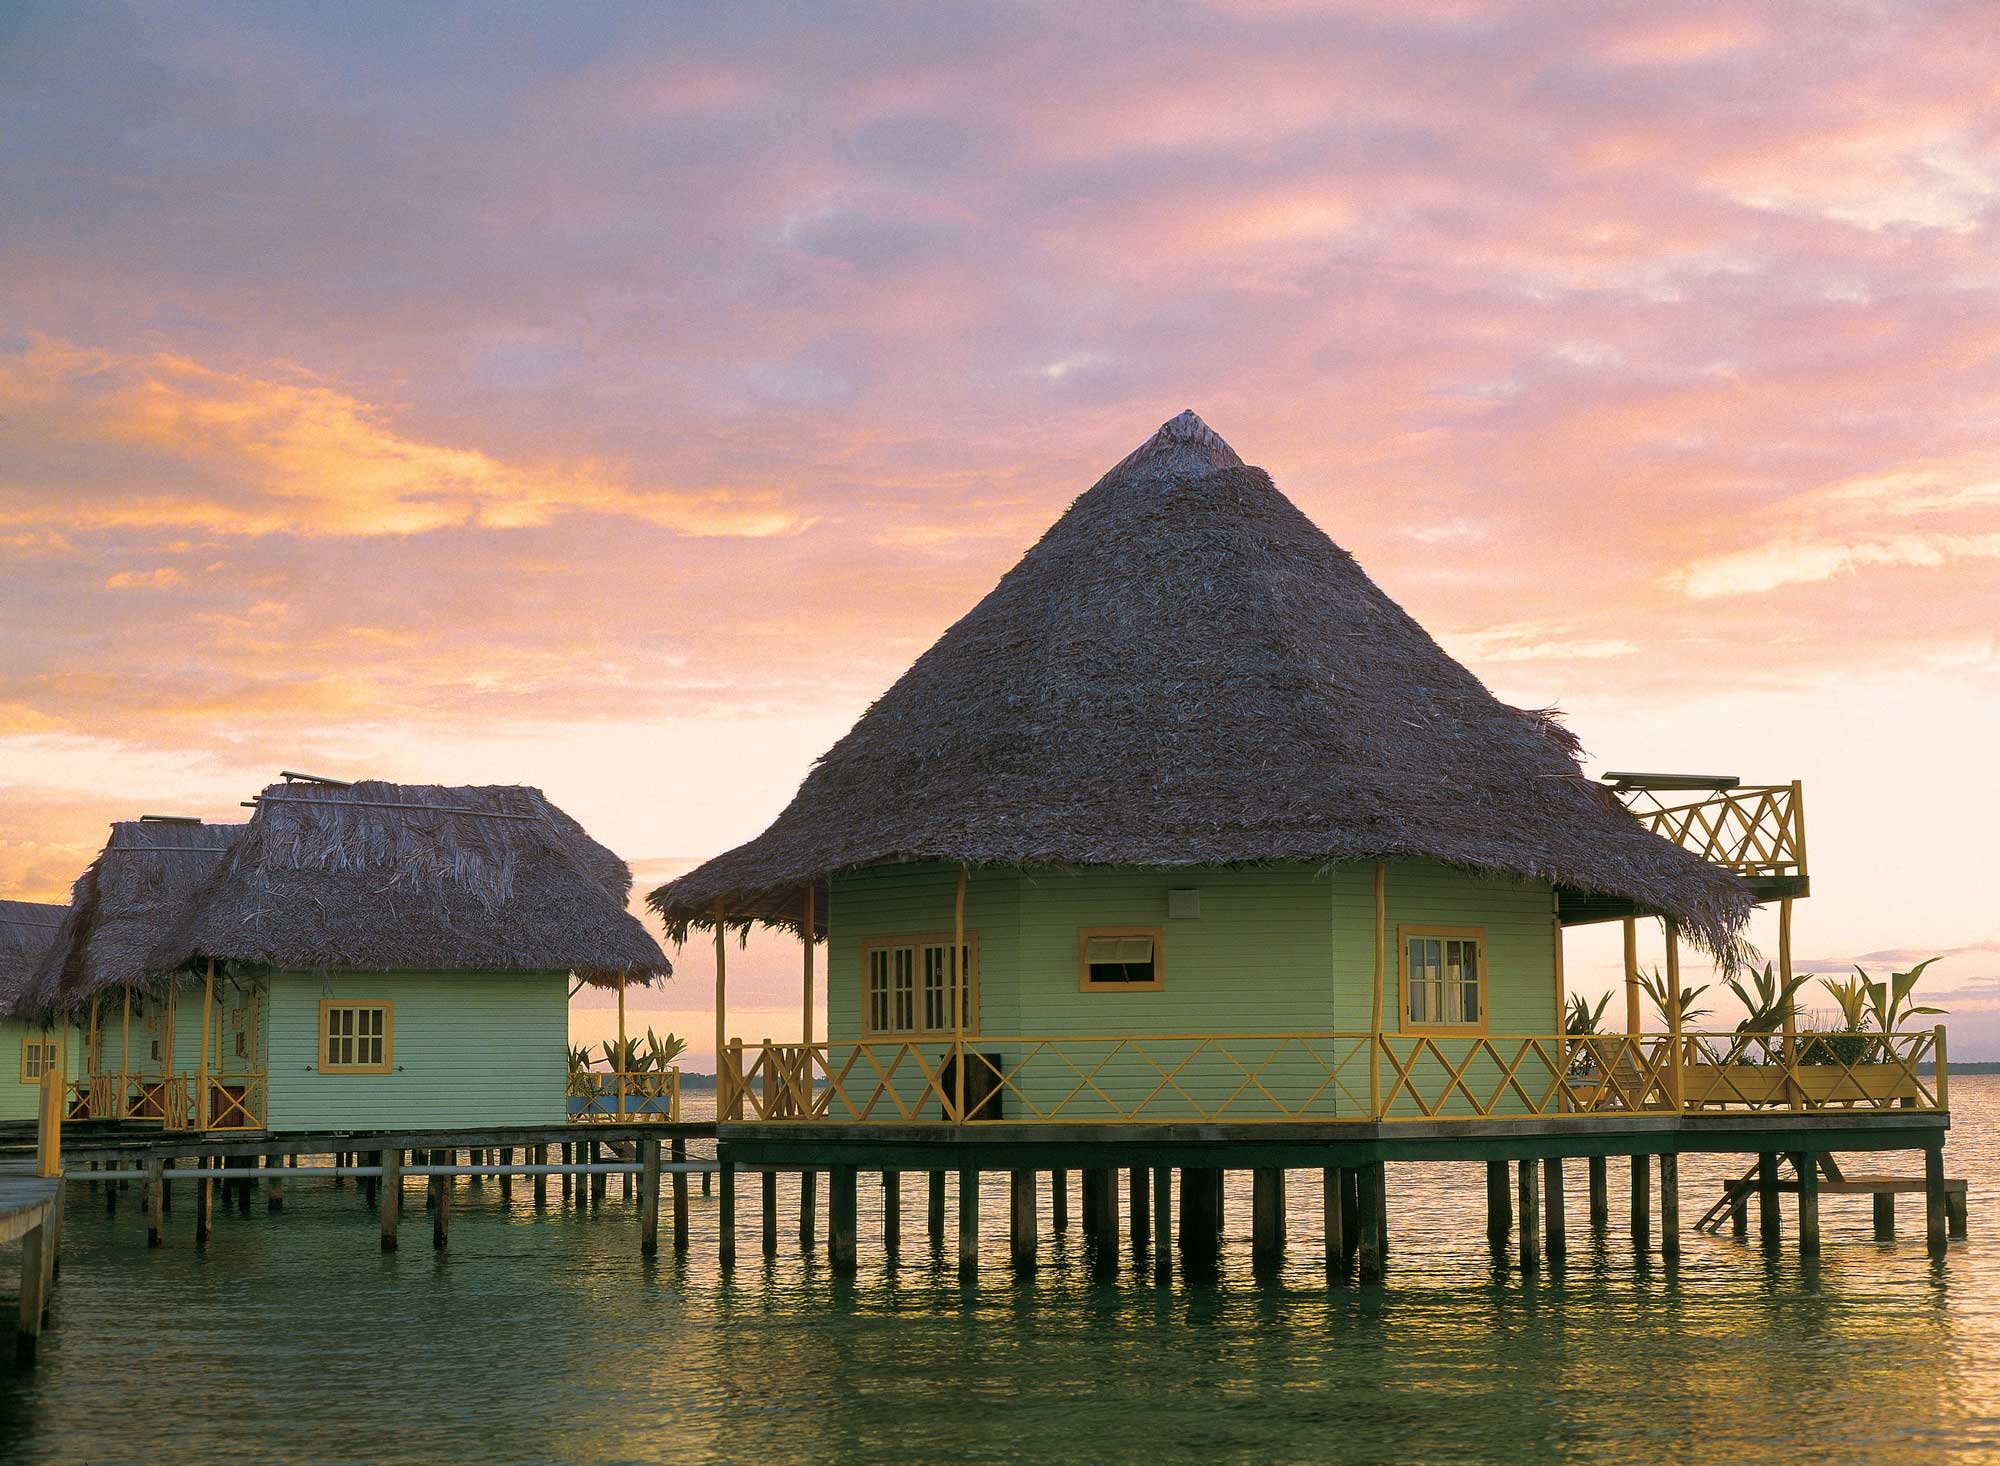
point(543, 1335)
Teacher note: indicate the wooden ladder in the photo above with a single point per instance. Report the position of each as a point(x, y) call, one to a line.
point(1744, 1186)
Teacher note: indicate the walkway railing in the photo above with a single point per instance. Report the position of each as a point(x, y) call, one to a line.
point(1322, 1077)
point(604, 1095)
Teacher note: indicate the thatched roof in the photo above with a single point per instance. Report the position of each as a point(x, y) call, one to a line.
point(379, 877)
point(27, 930)
point(1184, 671)
point(120, 907)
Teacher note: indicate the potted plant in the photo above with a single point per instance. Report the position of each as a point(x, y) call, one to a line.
point(1851, 1064)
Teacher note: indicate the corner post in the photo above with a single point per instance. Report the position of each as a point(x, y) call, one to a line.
point(391, 1205)
point(1675, 1090)
point(649, 1197)
point(724, 1098)
point(1381, 966)
point(958, 997)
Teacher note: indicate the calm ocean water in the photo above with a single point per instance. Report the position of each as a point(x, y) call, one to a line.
point(545, 1337)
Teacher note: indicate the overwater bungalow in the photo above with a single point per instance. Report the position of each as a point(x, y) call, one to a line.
point(407, 952)
point(27, 1049)
point(1189, 844)
point(94, 977)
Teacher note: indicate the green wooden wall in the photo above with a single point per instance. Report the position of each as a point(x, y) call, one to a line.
point(20, 1101)
point(1286, 949)
point(469, 1048)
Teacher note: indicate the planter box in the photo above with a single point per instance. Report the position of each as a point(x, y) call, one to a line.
point(1818, 1084)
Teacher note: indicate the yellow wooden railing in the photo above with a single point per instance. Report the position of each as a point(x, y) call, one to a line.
point(635, 1096)
point(1323, 1077)
point(1754, 830)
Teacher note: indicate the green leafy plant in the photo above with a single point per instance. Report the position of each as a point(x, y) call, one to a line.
point(1656, 989)
point(1580, 1018)
point(1851, 993)
point(1769, 1002)
point(663, 1052)
point(1889, 1002)
point(1848, 1047)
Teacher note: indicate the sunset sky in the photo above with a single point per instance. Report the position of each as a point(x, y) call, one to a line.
point(618, 400)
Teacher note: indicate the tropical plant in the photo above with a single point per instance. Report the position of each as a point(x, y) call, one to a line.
point(662, 1052)
point(1581, 1018)
point(1769, 1002)
point(1889, 1002)
point(1851, 993)
point(1656, 988)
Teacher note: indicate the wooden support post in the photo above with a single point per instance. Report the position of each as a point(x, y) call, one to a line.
point(726, 1220)
point(565, 1149)
point(1059, 1200)
point(770, 1197)
point(934, 1209)
point(841, 1208)
point(244, 1187)
point(1163, 1238)
point(1350, 1216)
point(1954, 1214)
point(1381, 1175)
point(1137, 1197)
point(1375, 1010)
point(1767, 1199)
point(204, 1209)
point(371, 1187)
point(1600, 1197)
point(1531, 1214)
point(1023, 1222)
point(110, 1194)
point(274, 1189)
point(1807, 1165)
point(1634, 1019)
point(1331, 1228)
point(441, 1213)
point(600, 1181)
point(1642, 1203)
point(649, 1197)
point(1934, 1218)
point(1885, 1216)
point(725, 1088)
point(541, 1157)
point(968, 1223)
point(1676, 1092)
point(1499, 1207)
point(892, 1214)
point(1369, 1193)
point(391, 1206)
point(1739, 1213)
point(1670, 1206)
point(156, 1183)
point(1092, 1204)
point(808, 1210)
point(1555, 1211)
point(1267, 1216)
point(506, 1155)
point(680, 1153)
point(37, 1271)
point(1104, 1226)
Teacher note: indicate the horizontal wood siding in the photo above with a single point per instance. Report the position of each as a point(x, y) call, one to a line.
point(20, 1101)
point(469, 1048)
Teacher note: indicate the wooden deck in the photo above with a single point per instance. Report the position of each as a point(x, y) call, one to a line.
point(31, 1213)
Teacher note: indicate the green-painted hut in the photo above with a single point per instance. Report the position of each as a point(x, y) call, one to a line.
point(408, 951)
point(27, 930)
point(136, 1038)
point(1205, 813)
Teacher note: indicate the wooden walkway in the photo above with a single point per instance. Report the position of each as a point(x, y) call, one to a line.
point(31, 1213)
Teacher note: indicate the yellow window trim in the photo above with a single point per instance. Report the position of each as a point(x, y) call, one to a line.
point(1083, 981)
point(1453, 933)
point(919, 941)
point(44, 1050)
point(388, 1064)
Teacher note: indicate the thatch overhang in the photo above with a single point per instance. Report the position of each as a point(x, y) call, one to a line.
point(27, 930)
point(380, 877)
point(125, 901)
point(1186, 671)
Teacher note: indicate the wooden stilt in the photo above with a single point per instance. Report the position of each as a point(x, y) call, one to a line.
point(1059, 1200)
point(1807, 1165)
point(1330, 1217)
point(1093, 1203)
point(1499, 1207)
point(204, 1209)
point(1531, 1214)
point(1670, 1206)
point(566, 1150)
point(1138, 1196)
point(841, 1208)
point(892, 1214)
point(680, 1153)
point(770, 1213)
point(274, 1190)
point(649, 1197)
point(808, 1208)
point(1369, 1194)
point(441, 1213)
point(167, 1191)
point(156, 1183)
point(541, 1179)
point(968, 1223)
point(1600, 1197)
point(1350, 1216)
point(1954, 1214)
point(1885, 1216)
point(1104, 1227)
point(1642, 1203)
point(371, 1187)
point(726, 1219)
point(1935, 1223)
point(934, 1209)
point(1163, 1241)
point(506, 1154)
point(1267, 1216)
point(37, 1271)
point(391, 1205)
point(1555, 1212)
point(1380, 1173)
point(1767, 1199)
point(1024, 1221)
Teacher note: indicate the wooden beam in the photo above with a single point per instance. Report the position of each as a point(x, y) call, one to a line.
point(680, 1154)
point(1807, 1165)
point(1555, 1215)
point(725, 1107)
point(807, 938)
point(770, 1212)
point(1499, 1207)
point(1670, 1206)
point(1267, 1216)
point(968, 1223)
point(37, 1258)
point(1023, 1221)
point(1531, 1215)
point(1600, 1196)
point(892, 1214)
point(1634, 1019)
point(1935, 1220)
point(726, 1220)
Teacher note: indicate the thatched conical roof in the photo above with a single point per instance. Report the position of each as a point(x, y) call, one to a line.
point(378, 877)
point(27, 930)
point(120, 907)
point(1185, 670)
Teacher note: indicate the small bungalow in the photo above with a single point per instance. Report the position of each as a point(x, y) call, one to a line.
point(136, 1041)
point(27, 1050)
point(1177, 822)
point(407, 951)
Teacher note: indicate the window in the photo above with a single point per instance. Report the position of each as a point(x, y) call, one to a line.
point(38, 1056)
point(355, 1038)
point(1120, 959)
point(1444, 977)
point(907, 986)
